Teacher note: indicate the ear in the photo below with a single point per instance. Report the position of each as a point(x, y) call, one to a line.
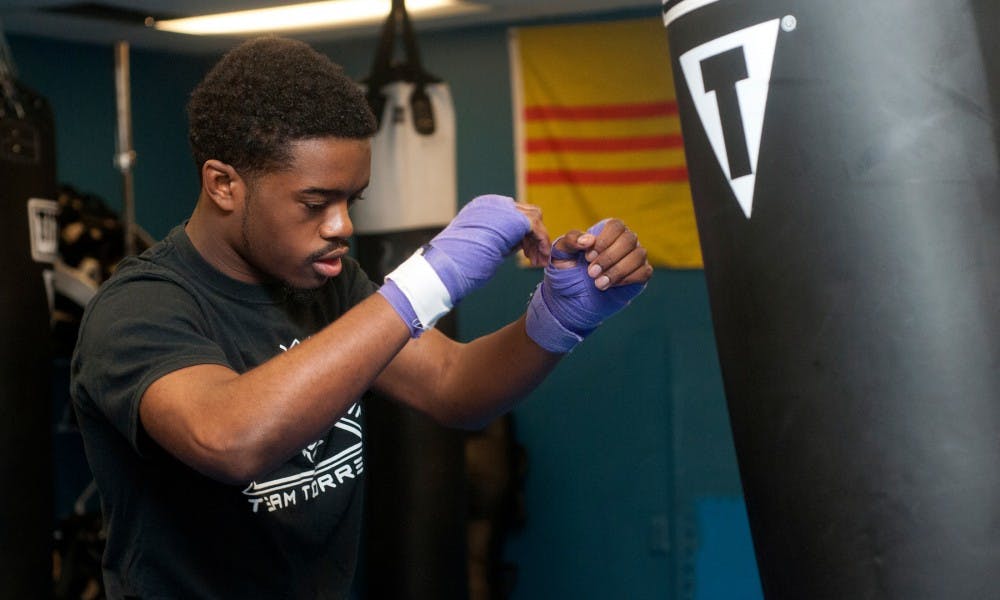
point(222, 184)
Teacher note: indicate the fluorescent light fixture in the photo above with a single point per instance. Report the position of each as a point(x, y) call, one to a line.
point(311, 15)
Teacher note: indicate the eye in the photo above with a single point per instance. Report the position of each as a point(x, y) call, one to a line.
point(353, 199)
point(314, 206)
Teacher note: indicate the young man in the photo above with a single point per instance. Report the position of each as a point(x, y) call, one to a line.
point(217, 377)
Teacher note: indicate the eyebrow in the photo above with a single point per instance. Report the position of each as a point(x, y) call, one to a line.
point(331, 192)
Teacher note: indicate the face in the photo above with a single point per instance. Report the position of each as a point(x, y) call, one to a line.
point(295, 224)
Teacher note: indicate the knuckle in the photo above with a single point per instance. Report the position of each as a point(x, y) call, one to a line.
point(612, 230)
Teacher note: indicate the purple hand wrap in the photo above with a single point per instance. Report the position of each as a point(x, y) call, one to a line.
point(469, 251)
point(566, 306)
point(456, 261)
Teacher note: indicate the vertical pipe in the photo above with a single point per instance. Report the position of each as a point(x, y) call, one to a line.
point(125, 155)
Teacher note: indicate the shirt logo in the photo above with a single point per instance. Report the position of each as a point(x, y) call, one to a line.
point(729, 78)
point(310, 451)
point(334, 467)
point(333, 471)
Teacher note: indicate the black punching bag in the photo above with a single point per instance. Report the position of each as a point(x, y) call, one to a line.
point(27, 171)
point(415, 499)
point(843, 163)
point(415, 517)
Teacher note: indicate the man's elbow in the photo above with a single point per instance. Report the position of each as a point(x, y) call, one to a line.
point(230, 459)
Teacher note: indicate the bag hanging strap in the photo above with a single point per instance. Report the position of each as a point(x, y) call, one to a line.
point(385, 70)
point(9, 96)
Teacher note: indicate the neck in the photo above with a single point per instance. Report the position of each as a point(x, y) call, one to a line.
point(210, 236)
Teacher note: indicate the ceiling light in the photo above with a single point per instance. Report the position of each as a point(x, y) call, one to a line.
point(311, 15)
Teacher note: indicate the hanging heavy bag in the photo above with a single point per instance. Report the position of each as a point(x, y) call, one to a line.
point(415, 527)
point(413, 154)
point(27, 185)
point(844, 167)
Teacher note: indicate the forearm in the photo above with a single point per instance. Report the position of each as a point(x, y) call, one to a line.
point(467, 385)
point(495, 373)
point(235, 427)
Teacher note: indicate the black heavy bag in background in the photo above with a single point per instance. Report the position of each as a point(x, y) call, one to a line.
point(414, 546)
point(27, 171)
point(414, 541)
point(843, 162)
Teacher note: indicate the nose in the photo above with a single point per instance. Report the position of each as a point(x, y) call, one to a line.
point(336, 222)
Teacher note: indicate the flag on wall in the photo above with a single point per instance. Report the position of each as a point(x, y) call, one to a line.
point(597, 133)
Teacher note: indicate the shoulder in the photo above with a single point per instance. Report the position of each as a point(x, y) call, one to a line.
point(158, 263)
point(138, 281)
point(166, 264)
point(141, 287)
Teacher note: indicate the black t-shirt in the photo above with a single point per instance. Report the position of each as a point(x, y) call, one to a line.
point(173, 532)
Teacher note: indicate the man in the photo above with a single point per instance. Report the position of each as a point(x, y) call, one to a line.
point(217, 377)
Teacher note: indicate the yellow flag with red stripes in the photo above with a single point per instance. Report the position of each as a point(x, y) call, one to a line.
point(598, 133)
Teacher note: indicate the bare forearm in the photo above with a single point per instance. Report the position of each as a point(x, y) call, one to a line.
point(305, 389)
point(235, 427)
point(505, 367)
point(481, 379)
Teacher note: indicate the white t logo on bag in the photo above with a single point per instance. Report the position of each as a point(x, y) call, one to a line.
point(43, 228)
point(729, 78)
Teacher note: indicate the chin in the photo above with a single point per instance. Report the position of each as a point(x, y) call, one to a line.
point(300, 281)
point(307, 285)
point(307, 278)
point(301, 294)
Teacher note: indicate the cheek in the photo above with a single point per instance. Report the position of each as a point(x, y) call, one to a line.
point(272, 242)
point(287, 247)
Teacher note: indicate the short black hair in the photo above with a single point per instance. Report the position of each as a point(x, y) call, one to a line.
point(266, 93)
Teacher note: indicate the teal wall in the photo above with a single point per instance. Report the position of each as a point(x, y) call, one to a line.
point(78, 81)
point(632, 489)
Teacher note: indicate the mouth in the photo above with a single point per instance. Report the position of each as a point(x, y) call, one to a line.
point(329, 265)
point(334, 255)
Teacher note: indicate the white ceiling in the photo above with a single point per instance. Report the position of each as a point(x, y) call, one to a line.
point(31, 17)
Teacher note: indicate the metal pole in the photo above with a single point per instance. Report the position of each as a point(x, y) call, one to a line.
point(125, 155)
